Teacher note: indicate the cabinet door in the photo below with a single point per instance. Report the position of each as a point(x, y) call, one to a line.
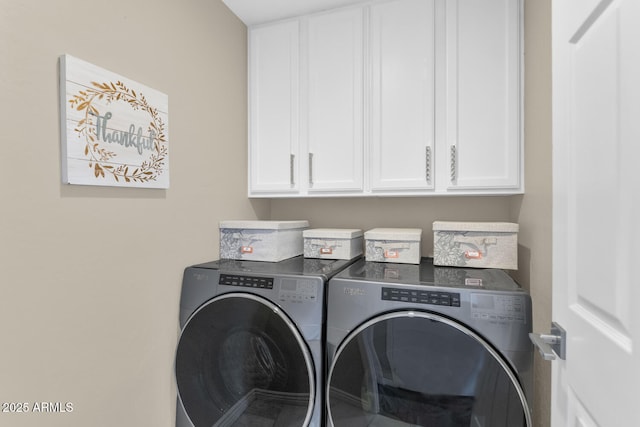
point(484, 144)
point(335, 101)
point(402, 97)
point(273, 108)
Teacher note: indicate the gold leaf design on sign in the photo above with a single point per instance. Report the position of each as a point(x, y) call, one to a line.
point(151, 168)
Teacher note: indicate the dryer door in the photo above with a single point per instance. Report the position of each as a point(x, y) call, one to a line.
point(241, 361)
point(413, 368)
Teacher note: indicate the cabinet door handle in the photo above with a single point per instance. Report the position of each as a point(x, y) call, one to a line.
point(428, 164)
point(310, 169)
point(292, 159)
point(454, 164)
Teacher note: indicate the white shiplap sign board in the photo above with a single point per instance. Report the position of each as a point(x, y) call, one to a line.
point(114, 130)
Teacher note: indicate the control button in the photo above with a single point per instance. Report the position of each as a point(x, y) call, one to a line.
point(445, 300)
point(448, 299)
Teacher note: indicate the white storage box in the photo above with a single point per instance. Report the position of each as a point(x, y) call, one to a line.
point(332, 243)
point(476, 244)
point(407, 273)
point(261, 240)
point(400, 245)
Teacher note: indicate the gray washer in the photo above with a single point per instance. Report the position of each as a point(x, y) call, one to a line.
point(418, 345)
point(251, 347)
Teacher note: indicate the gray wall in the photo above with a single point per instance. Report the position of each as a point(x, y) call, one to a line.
point(90, 276)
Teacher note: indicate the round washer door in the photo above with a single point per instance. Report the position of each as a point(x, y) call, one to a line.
point(241, 361)
point(413, 368)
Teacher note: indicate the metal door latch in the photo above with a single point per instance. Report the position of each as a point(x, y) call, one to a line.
point(552, 344)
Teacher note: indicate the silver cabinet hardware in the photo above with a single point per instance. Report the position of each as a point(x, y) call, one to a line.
point(454, 164)
point(552, 344)
point(428, 164)
point(292, 159)
point(310, 169)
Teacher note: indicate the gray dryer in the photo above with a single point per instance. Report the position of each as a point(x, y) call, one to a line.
point(418, 345)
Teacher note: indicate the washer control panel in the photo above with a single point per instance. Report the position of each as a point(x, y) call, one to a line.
point(451, 299)
point(298, 290)
point(246, 281)
point(502, 308)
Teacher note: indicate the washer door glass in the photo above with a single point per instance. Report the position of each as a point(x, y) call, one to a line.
point(420, 369)
point(242, 362)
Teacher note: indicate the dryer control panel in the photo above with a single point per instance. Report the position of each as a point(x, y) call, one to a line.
point(246, 281)
point(451, 299)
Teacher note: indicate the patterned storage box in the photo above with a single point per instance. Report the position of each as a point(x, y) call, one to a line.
point(476, 244)
point(407, 273)
point(261, 240)
point(332, 243)
point(399, 245)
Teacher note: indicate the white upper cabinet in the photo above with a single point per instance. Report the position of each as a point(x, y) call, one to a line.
point(402, 40)
point(273, 109)
point(334, 101)
point(483, 102)
point(388, 97)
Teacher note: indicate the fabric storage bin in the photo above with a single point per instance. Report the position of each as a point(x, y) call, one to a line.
point(332, 243)
point(399, 245)
point(476, 244)
point(408, 273)
point(455, 276)
point(261, 240)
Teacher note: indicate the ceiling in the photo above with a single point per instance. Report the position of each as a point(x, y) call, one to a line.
point(253, 12)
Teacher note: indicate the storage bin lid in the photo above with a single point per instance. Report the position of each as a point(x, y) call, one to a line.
point(402, 234)
point(264, 225)
point(332, 233)
point(493, 227)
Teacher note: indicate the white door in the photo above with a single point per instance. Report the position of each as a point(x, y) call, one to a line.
point(596, 211)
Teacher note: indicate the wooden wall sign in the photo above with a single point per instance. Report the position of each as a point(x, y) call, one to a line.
point(114, 130)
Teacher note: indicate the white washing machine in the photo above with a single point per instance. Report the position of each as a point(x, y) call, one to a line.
point(418, 345)
point(251, 348)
